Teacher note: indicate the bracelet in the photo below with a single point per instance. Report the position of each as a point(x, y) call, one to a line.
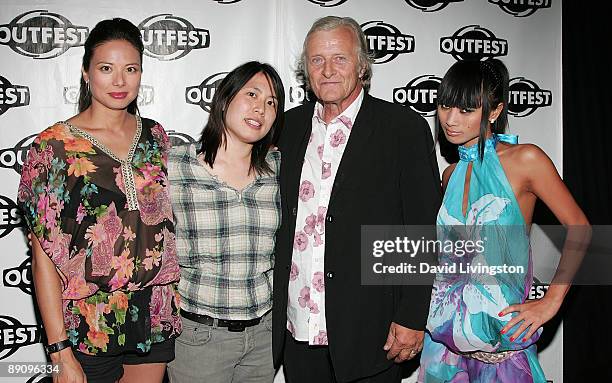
point(57, 346)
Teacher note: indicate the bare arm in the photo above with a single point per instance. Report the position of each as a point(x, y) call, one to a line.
point(544, 182)
point(49, 298)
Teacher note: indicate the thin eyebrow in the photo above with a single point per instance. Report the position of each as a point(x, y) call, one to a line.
point(260, 91)
point(109, 63)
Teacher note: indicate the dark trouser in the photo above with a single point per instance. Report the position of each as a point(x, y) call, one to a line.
point(310, 364)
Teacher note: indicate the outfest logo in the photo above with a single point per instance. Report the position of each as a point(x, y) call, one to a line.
point(385, 41)
point(41, 34)
point(168, 37)
point(328, 3)
point(429, 5)
point(19, 277)
point(526, 96)
point(14, 335)
point(12, 96)
point(521, 8)
point(202, 94)
point(473, 42)
point(146, 95)
point(13, 158)
point(298, 94)
point(10, 216)
point(419, 94)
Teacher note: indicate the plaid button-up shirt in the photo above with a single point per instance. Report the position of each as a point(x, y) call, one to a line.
point(225, 238)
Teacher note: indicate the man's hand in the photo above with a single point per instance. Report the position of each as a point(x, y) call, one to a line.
point(403, 343)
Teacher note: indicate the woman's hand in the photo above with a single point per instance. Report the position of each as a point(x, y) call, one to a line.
point(533, 315)
point(70, 370)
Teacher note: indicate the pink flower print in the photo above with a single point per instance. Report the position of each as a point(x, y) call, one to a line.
point(300, 241)
point(304, 298)
point(320, 339)
point(320, 151)
point(128, 234)
point(293, 274)
point(311, 222)
point(337, 138)
point(346, 121)
point(313, 307)
point(317, 237)
point(81, 213)
point(318, 282)
point(326, 170)
point(307, 190)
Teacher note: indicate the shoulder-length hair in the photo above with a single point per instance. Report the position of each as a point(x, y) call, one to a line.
point(214, 133)
point(472, 84)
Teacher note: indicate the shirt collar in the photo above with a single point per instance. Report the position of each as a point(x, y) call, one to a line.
point(347, 117)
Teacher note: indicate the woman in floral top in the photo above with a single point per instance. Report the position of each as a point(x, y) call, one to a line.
point(94, 192)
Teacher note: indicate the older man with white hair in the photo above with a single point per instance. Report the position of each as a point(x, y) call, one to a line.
point(349, 160)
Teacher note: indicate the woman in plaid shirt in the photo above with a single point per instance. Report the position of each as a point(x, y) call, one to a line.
point(226, 201)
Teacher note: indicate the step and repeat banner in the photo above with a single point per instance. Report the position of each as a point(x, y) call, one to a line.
point(191, 44)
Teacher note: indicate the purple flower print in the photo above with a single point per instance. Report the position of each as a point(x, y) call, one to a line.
point(318, 282)
point(306, 190)
point(304, 296)
point(300, 241)
point(337, 138)
point(320, 339)
point(320, 151)
point(326, 170)
point(293, 274)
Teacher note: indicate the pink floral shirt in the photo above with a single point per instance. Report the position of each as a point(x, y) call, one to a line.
point(306, 302)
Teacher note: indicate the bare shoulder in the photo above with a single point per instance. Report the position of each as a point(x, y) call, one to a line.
point(522, 154)
point(446, 174)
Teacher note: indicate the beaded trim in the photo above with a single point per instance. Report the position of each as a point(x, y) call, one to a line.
point(491, 357)
point(126, 165)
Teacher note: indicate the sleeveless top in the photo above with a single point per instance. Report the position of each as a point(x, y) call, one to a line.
point(465, 302)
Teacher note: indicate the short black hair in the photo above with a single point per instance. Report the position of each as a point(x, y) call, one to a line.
point(472, 84)
point(104, 31)
point(214, 133)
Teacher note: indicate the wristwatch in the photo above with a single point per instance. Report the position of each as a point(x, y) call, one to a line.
point(57, 346)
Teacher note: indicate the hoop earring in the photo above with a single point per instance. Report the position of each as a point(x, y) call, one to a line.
point(88, 89)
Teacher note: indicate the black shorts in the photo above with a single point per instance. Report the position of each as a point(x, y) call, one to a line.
point(104, 369)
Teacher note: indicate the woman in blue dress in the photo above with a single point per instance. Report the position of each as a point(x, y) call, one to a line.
point(481, 328)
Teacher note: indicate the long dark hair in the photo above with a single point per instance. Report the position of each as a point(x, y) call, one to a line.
point(104, 31)
point(214, 133)
point(471, 84)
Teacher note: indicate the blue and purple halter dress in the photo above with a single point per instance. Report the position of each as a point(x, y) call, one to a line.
point(463, 342)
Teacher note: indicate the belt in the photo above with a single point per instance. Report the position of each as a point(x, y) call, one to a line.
point(232, 325)
point(491, 357)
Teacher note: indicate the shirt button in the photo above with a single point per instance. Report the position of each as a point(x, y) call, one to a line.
point(330, 274)
point(330, 218)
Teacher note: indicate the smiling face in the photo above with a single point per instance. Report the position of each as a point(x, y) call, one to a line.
point(114, 74)
point(252, 111)
point(332, 63)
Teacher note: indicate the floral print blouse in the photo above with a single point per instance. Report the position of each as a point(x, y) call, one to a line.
point(107, 225)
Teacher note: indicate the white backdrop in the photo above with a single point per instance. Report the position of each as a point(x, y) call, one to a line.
point(192, 43)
